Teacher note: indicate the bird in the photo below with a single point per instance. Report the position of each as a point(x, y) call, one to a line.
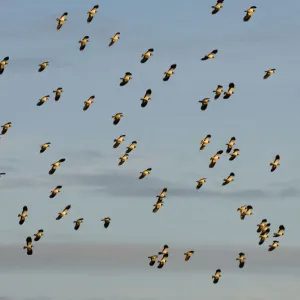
point(56, 165)
point(55, 191)
point(211, 55)
point(106, 222)
point(83, 42)
point(88, 102)
point(230, 144)
point(5, 127)
point(146, 98)
point(114, 39)
point(266, 227)
point(249, 12)
point(200, 182)
point(234, 154)
point(147, 55)
point(58, 92)
point(215, 158)
point(204, 103)
point(3, 63)
point(188, 255)
point(131, 147)
point(163, 194)
point(262, 225)
point(123, 159)
point(273, 246)
point(241, 259)
point(43, 66)
point(28, 246)
point(218, 92)
point(249, 210)
point(217, 276)
point(145, 173)
point(269, 73)
point(263, 236)
point(205, 142)
point(162, 262)
point(63, 213)
point(92, 13)
point(242, 210)
point(230, 91)
point(275, 163)
point(126, 78)
point(165, 250)
point(152, 260)
point(118, 141)
point(43, 100)
point(117, 117)
point(2, 174)
point(38, 235)
point(61, 20)
point(170, 72)
point(78, 223)
point(157, 205)
point(44, 147)
point(217, 7)
point(229, 179)
point(23, 215)
point(280, 231)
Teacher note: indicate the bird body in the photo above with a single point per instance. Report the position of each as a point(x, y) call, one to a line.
point(217, 7)
point(204, 103)
point(5, 127)
point(146, 98)
point(106, 222)
point(58, 92)
point(92, 13)
point(188, 255)
point(38, 235)
point(217, 276)
point(215, 158)
point(262, 225)
point(56, 165)
point(280, 231)
point(127, 77)
point(61, 20)
point(23, 215)
point(263, 236)
point(165, 250)
point(145, 173)
point(230, 91)
point(275, 163)
point(43, 66)
point(131, 147)
point(152, 260)
point(3, 63)
point(234, 154)
point(162, 262)
point(78, 222)
point(83, 42)
point(117, 117)
point(63, 213)
point(28, 246)
point(273, 246)
point(205, 142)
point(163, 194)
point(229, 179)
point(55, 191)
point(43, 100)
point(211, 55)
point(88, 102)
point(242, 210)
point(170, 72)
point(249, 12)
point(269, 73)
point(114, 39)
point(118, 141)
point(241, 260)
point(230, 144)
point(44, 147)
point(157, 206)
point(147, 55)
point(218, 92)
point(123, 159)
point(200, 182)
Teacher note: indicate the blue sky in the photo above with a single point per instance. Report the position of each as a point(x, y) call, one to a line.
point(94, 263)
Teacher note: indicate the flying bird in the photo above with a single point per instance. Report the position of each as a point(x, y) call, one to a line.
point(204, 103)
point(211, 55)
point(145, 173)
point(92, 13)
point(170, 72)
point(200, 182)
point(61, 20)
point(263, 236)
point(83, 42)
point(217, 7)
point(2, 174)
point(152, 260)
point(249, 12)
point(58, 92)
point(38, 235)
point(275, 163)
point(117, 117)
point(28, 246)
point(217, 276)
point(157, 205)
point(269, 73)
point(5, 127)
point(230, 144)
point(249, 210)
point(280, 231)
point(123, 159)
point(55, 191)
point(147, 55)
point(188, 255)
point(273, 246)
point(88, 102)
point(23, 215)
point(114, 39)
point(3, 63)
point(106, 222)
point(215, 158)
point(43, 66)
point(162, 195)
point(56, 165)
point(126, 78)
point(242, 210)
point(266, 227)
point(162, 262)
point(63, 213)
point(78, 223)
point(234, 154)
point(262, 225)
point(44, 147)
point(218, 92)
point(43, 100)
point(241, 259)
point(131, 147)
point(165, 250)
point(230, 91)
point(118, 141)
point(229, 179)
point(205, 142)
point(146, 98)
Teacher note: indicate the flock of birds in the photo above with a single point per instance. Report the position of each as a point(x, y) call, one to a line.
point(245, 210)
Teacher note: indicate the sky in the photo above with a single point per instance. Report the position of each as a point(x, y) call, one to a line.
point(94, 263)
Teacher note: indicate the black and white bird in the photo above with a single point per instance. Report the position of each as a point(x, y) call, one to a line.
point(218, 92)
point(63, 213)
point(145, 173)
point(241, 259)
point(163, 194)
point(88, 102)
point(147, 55)
point(43, 66)
point(78, 222)
point(200, 182)
point(3, 64)
point(211, 55)
point(280, 231)
point(269, 73)
point(204, 103)
point(152, 260)
point(83, 42)
point(263, 236)
point(275, 163)
point(217, 276)
point(230, 91)
point(114, 39)
point(61, 20)
point(158, 205)
point(28, 246)
point(229, 179)
point(249, 12)
point(146, 98)
point(119, 140)
point(131, 147)
point(106, 221)
point(43, 100)
point(188, 255)
point(92, 13)
point(58, 92)
point(162, 262)
point(117, 117)
point(165, 250)
point(262, 225)
point(205, 142)
point(55, 191)
point(170, 72)
point(230, 144)
point(23, 215)
point(56, 165)
point(215, 158)
point(217, 7)
point(38, 235)
point(127, 77)
point(122, 159)
point(273, 246)
point(235, 153)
